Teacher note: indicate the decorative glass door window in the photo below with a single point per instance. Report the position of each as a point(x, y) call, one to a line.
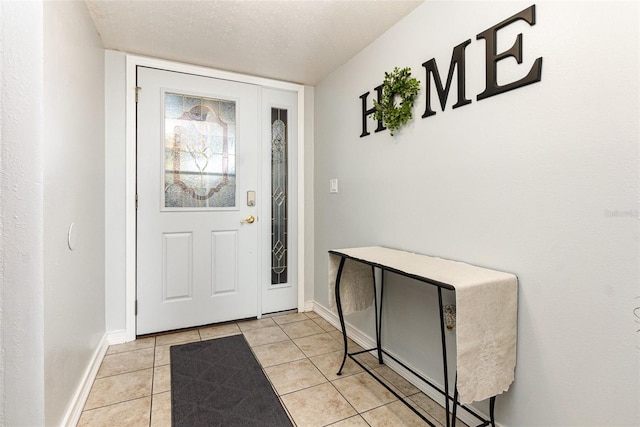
point(199, 152)
point(279, 221)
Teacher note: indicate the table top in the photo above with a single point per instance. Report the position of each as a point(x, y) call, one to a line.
point(437, 271)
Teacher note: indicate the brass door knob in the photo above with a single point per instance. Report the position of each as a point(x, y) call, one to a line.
point(250, 219)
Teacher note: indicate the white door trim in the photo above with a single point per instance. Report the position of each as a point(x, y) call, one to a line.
point(133, 61)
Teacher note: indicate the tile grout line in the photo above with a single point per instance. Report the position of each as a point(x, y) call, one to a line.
point(153, 376)
point(114, 404)
point(124, 373)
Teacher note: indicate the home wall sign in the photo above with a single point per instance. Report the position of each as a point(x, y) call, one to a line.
point(457, 64)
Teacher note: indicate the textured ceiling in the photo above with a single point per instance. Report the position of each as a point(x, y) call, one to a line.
point(300, 41)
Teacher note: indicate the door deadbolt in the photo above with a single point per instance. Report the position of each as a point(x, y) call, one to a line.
point(251, 198)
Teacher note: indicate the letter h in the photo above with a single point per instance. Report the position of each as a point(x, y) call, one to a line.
point(366, 113)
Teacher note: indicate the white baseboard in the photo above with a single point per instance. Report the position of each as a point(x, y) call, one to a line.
point(359, 337)
point(309, 305)
point(117, 337)
point(74, 409)
point(365, 341)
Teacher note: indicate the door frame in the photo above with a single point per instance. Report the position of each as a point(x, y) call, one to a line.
point(132, 62)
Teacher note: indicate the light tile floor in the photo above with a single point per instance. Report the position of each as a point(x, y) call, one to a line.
point(300, 353)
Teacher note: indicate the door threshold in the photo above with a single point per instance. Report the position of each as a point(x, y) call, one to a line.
point(280, 313)
point(194, 328)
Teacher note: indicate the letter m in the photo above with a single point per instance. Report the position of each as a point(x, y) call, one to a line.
point(457, 58)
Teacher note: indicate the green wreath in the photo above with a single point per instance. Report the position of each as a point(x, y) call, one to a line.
point(398, 83)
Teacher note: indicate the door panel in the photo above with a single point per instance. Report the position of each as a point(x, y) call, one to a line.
point(177, 261)
point(198, 145)
point(224, 247)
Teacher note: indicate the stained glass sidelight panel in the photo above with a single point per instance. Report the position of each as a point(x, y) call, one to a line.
point(279, 221)
point(199, 152)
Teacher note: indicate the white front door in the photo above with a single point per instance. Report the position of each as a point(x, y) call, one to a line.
point(198, 148)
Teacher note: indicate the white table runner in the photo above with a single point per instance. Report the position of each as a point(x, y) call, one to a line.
point(486, 311)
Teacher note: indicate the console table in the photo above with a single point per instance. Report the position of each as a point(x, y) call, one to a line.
point(486, 319)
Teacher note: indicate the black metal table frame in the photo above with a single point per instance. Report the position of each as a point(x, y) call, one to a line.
point(450, 415)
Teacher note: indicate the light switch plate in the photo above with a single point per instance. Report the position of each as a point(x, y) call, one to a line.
point(333, 185)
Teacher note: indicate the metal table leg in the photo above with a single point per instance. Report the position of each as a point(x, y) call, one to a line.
point(492, 407)
point(340, 314)
point(378, 317)
point(444, 356)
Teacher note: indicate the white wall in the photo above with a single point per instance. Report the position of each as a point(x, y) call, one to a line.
point(21, 213)
point(74, 304)
point(541, 181)
point(115, 173)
